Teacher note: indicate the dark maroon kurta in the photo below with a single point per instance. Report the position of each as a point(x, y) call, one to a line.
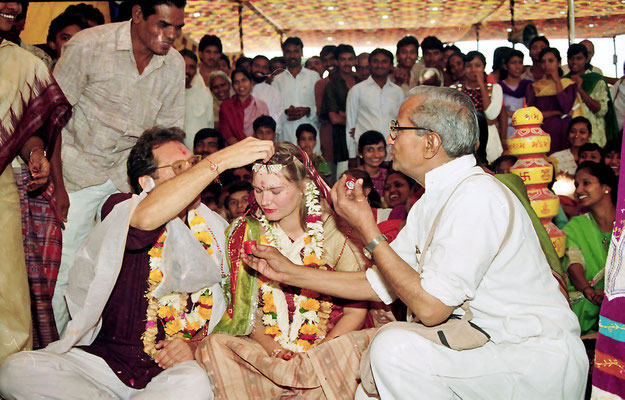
point(123, 319)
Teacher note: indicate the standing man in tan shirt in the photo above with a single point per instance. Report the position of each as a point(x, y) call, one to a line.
point(121, 79)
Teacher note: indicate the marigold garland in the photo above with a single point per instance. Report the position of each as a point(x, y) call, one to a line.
point(309, 324)
point(171, 308)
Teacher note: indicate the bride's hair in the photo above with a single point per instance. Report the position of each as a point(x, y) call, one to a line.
point(289, 156)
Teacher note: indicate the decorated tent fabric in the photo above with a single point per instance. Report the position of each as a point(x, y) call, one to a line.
point(383, 22)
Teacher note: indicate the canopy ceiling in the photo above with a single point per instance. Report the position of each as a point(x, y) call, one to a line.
point(383, 22)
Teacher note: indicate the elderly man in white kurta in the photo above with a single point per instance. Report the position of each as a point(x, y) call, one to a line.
point(297, 89)
point(484, 250)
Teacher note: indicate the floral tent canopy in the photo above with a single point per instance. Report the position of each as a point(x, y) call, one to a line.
point(384, 22)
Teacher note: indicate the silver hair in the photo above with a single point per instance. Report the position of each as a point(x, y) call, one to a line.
point(451, 114)
point(218, 73)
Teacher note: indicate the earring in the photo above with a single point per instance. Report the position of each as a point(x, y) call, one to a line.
point(607, 191)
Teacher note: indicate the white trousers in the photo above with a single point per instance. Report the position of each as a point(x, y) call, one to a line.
point(407, 366)
point(84, 210)
point(81, 375)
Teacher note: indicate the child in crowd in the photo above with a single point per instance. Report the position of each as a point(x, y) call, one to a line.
point(503, 164)
point(591, 152)
point(307, 139)
point(372, 150)
point(612, 157)
point(236, 202)
point(265, 128)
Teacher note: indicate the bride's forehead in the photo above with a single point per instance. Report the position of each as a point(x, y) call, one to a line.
point(272, 179)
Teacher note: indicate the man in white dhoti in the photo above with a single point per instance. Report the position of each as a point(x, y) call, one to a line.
point(148, 288)
point(484, 250)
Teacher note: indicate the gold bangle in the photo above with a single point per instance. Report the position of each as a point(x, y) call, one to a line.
point(33, 150)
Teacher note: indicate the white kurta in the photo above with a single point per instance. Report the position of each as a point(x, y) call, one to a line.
point(271, 96)
point(298, 91)
point(370, 107)
point(198, 113)
point(513, 297)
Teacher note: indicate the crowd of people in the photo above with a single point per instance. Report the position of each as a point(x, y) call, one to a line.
point(159, 205)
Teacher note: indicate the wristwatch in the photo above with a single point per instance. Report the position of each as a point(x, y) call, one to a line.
point(368, 249)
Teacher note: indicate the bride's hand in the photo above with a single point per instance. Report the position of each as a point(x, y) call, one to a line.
point(268, 261)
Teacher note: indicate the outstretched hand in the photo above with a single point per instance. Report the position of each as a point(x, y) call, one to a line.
point(269, 261)
point(351, 205)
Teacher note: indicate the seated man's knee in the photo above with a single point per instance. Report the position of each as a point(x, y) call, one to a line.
point(389, 345)
point(12, 372)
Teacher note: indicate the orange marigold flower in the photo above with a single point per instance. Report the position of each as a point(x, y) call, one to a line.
point(311, 259)
point(197, 220)
point(307, 239)
point(269, 308)
point(206, 300)
point(309, 329)
point(166, 312)
point(156, 275)
point(304, 343)
point(193, 326)
point(155, 252)
point(310, 305)
point(204, 237)
point(264, 239)
point(268, 298)
point(205, 313)
point(173, 327)
point(272, 330)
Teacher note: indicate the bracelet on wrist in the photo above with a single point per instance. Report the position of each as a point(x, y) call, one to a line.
point(275, 352)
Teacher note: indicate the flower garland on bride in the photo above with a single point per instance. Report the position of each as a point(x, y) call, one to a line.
point(309, 324)
point(171, 309)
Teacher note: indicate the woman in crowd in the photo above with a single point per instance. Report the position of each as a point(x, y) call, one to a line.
point(593, 89)
point(282, 328)
point(237, 114)
point(372, 150)
point(454, 72)
point(587, 241)
point(555, 97)
point(397, 192)
point(513, 86)
point(221, 88)
point(579, 133)
point(487, 99)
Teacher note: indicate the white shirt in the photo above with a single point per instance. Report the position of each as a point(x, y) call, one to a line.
point(618, 96)
point(513, 296)
point(198, 112)
point(298, 91)
point(370, 107)
point(271, 96)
